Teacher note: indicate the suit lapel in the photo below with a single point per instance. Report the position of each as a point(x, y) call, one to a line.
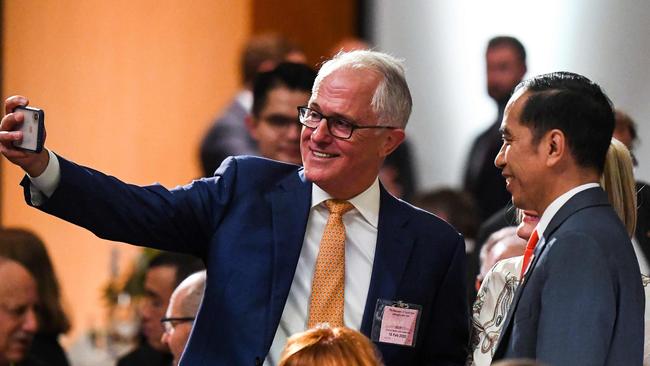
point(394, 244)
point(290, 203)
point(587, 198)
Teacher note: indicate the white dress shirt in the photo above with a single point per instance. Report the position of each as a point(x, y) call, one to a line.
point(360, 241)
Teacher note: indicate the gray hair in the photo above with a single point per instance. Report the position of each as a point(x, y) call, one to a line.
point(392, 99)
point(192, 288)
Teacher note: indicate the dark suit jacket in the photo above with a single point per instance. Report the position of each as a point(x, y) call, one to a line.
point(227, 136)
point(145, 355)
point(582, 302)
point(482, 179)
point(248, 223)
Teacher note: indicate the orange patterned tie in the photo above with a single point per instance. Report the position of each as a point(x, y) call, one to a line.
point(327, 288)
point(528, 253)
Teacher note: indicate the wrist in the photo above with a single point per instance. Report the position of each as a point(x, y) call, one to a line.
point(38, 165)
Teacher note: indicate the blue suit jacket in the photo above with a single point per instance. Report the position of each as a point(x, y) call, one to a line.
point(582, 302)
point(248, 223)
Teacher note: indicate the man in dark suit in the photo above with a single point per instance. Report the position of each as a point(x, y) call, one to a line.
point(580, 301)
point(505, 61)
point(258, 226)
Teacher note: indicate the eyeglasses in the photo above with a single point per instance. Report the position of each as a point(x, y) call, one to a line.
point(280, 121)
point(171, 322)
point(337, 127)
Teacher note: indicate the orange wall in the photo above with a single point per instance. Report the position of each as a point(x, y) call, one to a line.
point(128, 87)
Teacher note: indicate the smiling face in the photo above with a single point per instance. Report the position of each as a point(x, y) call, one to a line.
point(18, 323)
point(522, 162)
point(276, 129)
point(345, 168)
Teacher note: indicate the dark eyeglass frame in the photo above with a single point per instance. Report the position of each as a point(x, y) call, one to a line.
point(304, 111)
point(168, 323)
point(178, 319)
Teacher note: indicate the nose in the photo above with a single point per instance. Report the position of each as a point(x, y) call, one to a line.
point(30, 323)
point(321, 133)
point(165, 338)
point(499, 160)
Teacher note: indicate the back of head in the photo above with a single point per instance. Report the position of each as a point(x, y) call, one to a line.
point(392, 101)
point(575, 105)
point(184, 264)
point(329, 347)
point(293, 76)
point(29, 250)
point(618, 181)
point(263, 52)
point(455, 207)
point(192, 288)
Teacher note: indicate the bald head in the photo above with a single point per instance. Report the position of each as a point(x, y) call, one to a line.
point(18, 300)
point(187, 296)
point(183, 306)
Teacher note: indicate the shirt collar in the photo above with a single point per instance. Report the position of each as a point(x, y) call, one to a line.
point(366, 202)
point(245, 99)
point(555, 206)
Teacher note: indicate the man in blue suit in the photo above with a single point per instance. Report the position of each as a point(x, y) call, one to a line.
point(580, 301)
point(258, 224)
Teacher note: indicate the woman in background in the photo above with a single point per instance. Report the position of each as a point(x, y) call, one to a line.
point(28, 249)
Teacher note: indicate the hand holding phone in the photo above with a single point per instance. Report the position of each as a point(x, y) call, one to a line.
point(33, 129)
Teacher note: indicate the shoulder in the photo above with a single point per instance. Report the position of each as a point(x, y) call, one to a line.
point(241, 174)
point(257, 170)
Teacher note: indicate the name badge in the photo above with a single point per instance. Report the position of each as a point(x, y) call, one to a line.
point(396, 322)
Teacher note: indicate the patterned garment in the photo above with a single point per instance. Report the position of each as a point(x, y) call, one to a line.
point(490, 309)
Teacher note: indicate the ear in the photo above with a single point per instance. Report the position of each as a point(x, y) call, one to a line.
point(392, 140)
point(555, 146)
point(251, 125)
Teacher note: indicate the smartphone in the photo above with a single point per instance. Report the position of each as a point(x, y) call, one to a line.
point(33, 129)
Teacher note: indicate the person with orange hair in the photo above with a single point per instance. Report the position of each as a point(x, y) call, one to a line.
point(327, 346)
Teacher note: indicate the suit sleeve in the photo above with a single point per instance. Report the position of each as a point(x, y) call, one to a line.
point(447, 339)
point(578, 299)
point(182, 219)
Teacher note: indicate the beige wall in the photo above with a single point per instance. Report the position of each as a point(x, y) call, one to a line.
point(128, 87)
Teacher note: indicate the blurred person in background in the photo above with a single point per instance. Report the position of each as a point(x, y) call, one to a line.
point(164, 273)
point(181, 312)
point(29, 250)
point(228, 135)
point(273, 123)
point(626, 132)
point(505, 61)
point(18, 318)
point(457, 208)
